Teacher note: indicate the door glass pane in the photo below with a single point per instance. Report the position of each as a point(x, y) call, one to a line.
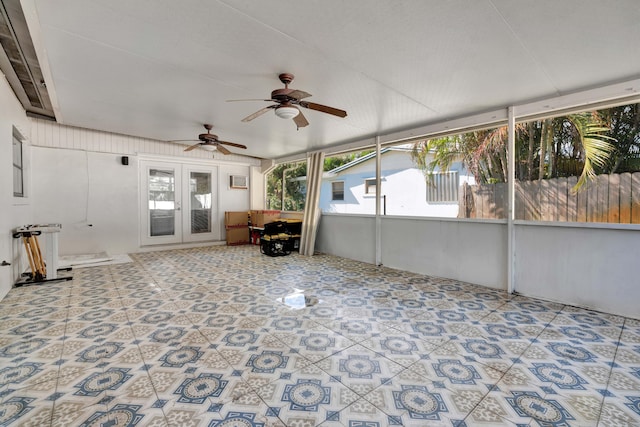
point(200, 193)
point(161, 202)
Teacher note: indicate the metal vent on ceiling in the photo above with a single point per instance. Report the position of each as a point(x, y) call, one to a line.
point(19, 63)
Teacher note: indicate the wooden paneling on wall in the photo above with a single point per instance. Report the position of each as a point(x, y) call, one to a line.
point(50, 134)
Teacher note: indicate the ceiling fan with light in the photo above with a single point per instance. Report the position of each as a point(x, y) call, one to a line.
point(287, 102)
point(209, 141)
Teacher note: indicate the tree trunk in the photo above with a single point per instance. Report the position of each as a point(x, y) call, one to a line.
point(553, 159)
point(530, 153)
point(504, 163)
point(543, 148)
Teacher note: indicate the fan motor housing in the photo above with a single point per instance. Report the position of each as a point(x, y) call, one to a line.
point(207, 137)
point(282, 94)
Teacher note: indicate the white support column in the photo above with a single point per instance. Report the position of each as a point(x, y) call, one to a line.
point(511, 183)
point(378, 197)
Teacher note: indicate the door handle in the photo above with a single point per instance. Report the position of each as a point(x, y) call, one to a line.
point(5, 263)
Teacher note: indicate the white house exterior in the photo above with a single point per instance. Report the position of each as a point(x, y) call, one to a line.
point(404, 187)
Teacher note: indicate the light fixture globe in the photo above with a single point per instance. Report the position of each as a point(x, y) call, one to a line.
point(208, 147)
point(287, 112)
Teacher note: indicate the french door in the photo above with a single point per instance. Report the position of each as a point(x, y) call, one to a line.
point(178, 203)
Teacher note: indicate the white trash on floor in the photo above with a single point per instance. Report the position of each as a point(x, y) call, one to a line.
point(92, 260)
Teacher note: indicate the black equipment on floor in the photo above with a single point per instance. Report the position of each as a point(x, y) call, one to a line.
point(277, 239)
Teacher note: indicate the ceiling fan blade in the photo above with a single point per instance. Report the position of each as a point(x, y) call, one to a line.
point(323, 108)
point(241, 100)
point(221, 149)
point(300, 120)
point(298, 94)
point(233, 144)
point(258, 113)
point(192, 147)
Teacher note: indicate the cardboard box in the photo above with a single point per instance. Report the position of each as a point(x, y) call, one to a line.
point(237, 236)
point(260, 218)
point(235, 219)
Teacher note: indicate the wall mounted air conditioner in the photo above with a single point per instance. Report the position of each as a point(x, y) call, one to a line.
point(238, 181)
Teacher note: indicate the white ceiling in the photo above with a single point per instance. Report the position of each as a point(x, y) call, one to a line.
point(161, 68)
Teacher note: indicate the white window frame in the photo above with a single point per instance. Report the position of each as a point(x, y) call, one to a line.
point(443, 187)
point(333, 191)
point(21, 199)
point(370, 182)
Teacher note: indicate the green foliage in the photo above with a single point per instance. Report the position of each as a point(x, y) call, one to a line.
point(623, 123)
point(295, 189)
point(439, 153)
point(482, 152)
point(596, 146)
point(582, 145)
point(337, 161)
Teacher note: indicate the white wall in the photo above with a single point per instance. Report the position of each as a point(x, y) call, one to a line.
point(232, 199)
point(96, 199)
point(348, 236)
point(473, 251)
point(257, 188)
point(582, 266)
point(92, 195)
point(14, 212)
point(79, 181)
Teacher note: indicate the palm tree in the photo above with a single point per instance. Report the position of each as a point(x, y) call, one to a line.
point(595, 147)
point(484, 152)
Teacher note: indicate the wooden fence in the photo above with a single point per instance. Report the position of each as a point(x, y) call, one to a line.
point(609, 198)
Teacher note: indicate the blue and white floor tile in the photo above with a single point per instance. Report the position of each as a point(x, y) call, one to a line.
point(225, 336)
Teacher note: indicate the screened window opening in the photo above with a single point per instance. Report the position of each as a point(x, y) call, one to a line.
point(442, 187)
point(287, 187)
point(579, 167)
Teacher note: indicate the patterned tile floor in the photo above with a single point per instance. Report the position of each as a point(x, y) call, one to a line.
point(219, 337)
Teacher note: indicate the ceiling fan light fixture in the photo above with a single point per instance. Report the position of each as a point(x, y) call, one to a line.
point(209, 147)
point(287, 112)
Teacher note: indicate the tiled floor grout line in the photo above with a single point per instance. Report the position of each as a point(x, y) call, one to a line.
point(251, 389)
point(531, 342)
point(117, 284)
point(146, 363)
point(613, 363)
point(495, 310)
point(66, 324)
point(405, 368)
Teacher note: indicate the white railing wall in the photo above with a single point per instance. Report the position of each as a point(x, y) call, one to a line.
point(348, 236)
point(585, 266)
point(469, 251)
